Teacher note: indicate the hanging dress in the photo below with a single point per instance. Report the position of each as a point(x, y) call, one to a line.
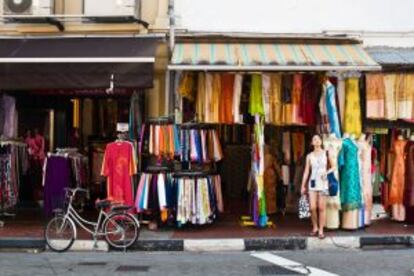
point(366, 178)
point(352, 122)
point(333, 203)
point(332, 110)
point(398, 174)
point(349, 177)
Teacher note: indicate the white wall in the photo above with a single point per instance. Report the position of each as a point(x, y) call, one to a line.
point(296, 16)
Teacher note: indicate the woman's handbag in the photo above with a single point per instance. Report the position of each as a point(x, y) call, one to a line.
point(304, 209)
point(333, 184)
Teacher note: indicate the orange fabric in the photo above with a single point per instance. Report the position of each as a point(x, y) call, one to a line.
point(226, 100)
point(398, 174)
point(296, 95)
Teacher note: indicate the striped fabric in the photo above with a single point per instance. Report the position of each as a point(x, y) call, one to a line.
point(250, 54)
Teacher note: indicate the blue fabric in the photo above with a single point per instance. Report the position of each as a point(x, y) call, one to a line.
point(197, 139)
point(332, 109)
point(177, 144)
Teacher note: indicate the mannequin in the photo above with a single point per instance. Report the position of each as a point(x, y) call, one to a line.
point(366, 177)
point(333, 204)
point(350, 203)
point(398, 180)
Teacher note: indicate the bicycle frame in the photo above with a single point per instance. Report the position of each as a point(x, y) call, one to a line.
point(94, 228)
point(72, 214)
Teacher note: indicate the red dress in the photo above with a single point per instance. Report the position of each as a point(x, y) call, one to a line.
point(118, 166)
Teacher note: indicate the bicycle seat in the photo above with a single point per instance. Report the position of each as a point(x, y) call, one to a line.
point(101, 204)
point(120, 208)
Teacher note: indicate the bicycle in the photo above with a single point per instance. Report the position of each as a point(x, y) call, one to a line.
point(120, 228)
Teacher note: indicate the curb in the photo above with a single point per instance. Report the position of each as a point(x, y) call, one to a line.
point(209, 245)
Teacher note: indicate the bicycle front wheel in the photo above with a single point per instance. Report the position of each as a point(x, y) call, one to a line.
point(121, 230)
point(60, 234)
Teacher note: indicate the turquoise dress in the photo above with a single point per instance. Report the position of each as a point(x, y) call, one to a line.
point(349, 177)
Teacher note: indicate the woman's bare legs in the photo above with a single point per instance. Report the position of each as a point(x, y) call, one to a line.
point(322, 212)
point(313, 202)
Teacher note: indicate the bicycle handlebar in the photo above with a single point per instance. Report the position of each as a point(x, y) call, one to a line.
point(74, 191)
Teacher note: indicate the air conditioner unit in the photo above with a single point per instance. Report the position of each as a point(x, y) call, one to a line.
point(111, 8)
point(28, 7)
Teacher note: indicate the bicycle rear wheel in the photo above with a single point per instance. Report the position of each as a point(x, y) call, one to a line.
point(121, 230)
point(60, 234)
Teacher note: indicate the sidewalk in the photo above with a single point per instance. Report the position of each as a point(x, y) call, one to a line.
point(288, 233)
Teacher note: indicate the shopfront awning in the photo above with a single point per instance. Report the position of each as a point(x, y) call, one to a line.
point(271, 57)
point(77, 63)
point(393, 57)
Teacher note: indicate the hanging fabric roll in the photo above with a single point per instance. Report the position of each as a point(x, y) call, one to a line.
point(375, 91)
point(404, 87)
point(256, 99)
point(287, 82)
point(266, 87)
point(201, 98)
point(275, 96)
point(238, 82)
point(216, 96)
point(226, 98)
point(390, 98)
point(296, 98)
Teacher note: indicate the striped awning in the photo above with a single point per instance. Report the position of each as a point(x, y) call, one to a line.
point(271, 57)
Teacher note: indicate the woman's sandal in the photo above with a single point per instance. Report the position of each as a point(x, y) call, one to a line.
point(321, 236)
point(314, 233)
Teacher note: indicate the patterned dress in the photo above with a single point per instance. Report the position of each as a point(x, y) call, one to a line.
point(349, 177)
point(352, 122)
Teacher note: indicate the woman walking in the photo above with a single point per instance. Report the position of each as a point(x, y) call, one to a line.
point(315, 184)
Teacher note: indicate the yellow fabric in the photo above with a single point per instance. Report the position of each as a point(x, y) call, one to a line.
point(352, 124)
point(200, 97)
point(186, 86)
point(275, 98)
point(76, 113)
point(215, 100)
point(390, 99)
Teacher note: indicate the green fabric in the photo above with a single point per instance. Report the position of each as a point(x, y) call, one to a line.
point(256, 101)
point(350, 179)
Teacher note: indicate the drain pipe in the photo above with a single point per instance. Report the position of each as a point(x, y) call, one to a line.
point(170, 75)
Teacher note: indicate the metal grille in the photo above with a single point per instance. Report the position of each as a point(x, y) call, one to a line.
point(132, 268)
point(276, 270)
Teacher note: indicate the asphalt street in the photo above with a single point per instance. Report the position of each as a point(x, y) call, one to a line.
point(323, 263)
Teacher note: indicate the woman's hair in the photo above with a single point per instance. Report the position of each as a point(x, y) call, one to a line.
point(313, 136)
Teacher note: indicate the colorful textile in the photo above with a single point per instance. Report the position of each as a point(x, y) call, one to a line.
point(275, 98)
point(296, 99)
point(287, 82)
point(390, 98)
point(349, 176)
point(398, 173)
point(375, 95)
point(226, 98)
point(332, 110)
point(353, 123)
point(186, 86)
point(118, 166)
point(256, 100)
point(238, 81)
